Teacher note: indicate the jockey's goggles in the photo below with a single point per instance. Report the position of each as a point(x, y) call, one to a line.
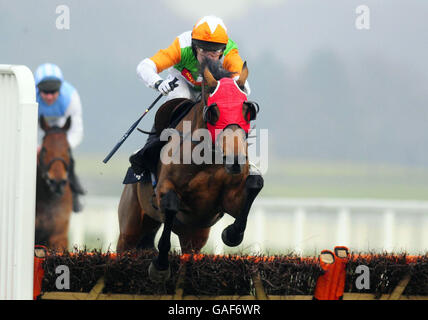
point(203, 51)
point(206, 46)
point(49, 85)
point(49, 91)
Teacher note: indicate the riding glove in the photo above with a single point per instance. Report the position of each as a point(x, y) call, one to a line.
point(165, 87)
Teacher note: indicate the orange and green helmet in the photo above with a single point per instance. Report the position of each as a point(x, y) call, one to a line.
point(210, 33)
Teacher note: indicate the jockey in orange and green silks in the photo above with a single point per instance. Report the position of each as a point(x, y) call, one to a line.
point(208, 38)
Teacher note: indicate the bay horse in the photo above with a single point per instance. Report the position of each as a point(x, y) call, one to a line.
point(190, 198)
point(53, 193)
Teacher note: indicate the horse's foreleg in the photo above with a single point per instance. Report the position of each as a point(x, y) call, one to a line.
point(233, 235)
point(159, 268)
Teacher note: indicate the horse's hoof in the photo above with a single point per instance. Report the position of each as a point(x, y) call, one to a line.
point(159, 275)
point(230, 238)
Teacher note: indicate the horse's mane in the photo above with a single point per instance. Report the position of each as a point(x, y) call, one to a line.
point(216, 69)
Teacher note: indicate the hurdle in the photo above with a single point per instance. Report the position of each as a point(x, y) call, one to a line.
point(18, 138)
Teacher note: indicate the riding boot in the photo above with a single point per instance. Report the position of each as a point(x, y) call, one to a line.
point(76, 187)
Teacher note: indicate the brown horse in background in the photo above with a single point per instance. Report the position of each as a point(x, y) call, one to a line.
point(53, 195)
point(190, 198)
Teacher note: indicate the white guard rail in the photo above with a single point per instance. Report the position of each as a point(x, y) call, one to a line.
point(18, 152)
point(282, 225)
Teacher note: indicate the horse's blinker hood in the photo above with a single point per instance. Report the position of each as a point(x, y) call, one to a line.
point(229, 99)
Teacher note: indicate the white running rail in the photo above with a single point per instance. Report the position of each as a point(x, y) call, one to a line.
point(304, 226)
point(18, 152)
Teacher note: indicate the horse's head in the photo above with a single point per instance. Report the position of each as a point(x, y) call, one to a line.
point(227, 114)
point(54, 157)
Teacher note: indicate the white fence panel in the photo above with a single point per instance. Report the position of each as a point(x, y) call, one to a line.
point(283, 225)
point(18, 152)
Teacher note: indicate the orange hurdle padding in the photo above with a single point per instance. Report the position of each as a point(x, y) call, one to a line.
point(331, 285)
point(322, 289)
point(40, 253)
point(342, 258)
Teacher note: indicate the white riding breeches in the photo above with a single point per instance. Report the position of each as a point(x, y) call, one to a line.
point(184, 89)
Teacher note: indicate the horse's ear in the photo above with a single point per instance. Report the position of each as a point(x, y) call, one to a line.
point(67, 124)
point(209, 78)
point(244, 75)
point(43, 124)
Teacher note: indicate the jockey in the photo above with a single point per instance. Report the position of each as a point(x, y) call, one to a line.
point(208, 39)
point(58, 100)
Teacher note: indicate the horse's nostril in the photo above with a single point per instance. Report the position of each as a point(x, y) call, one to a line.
point(236, 165)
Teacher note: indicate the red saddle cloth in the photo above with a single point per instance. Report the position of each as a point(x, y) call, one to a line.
point(229, 99)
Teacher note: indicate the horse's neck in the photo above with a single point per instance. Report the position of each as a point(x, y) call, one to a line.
point(196, 116)
point(197, 122)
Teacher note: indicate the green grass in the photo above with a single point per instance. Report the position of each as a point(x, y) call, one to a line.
point(288, 178)
point(302, 178)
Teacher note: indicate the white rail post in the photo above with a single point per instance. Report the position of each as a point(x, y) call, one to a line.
point(389, 220)
point(299, 218)
point(110, 230)
point(217, 242)
point(424, 234)
point(77, 231)
point(18, 140)
point(343, 227)
point(259, 221)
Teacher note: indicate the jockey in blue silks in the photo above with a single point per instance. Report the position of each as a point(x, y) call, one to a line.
point(58, 100)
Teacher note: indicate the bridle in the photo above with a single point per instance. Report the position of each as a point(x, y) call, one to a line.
point(45, 167)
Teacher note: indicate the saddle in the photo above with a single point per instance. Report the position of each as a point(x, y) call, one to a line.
point(168, 115)
point(170, 112)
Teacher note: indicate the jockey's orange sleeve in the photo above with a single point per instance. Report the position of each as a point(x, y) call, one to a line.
point(233, 62)
point(168, 57)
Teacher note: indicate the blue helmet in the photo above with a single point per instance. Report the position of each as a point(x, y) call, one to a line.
point(48, 77)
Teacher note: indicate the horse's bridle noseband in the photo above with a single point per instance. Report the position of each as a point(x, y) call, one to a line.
point(44, 168)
